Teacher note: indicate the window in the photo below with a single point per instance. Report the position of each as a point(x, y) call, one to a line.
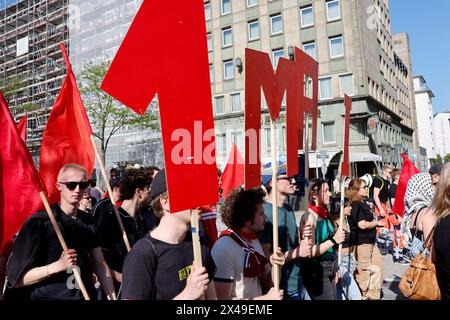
point(211, 73)
point(333, 10)
point(253, 30)
point(346, 85)
point(267, 140)
point(307, 17)
point(236, 102)
point(283, 139)
point(357, 130)
point(276, 23)
point(225, 6)
point(236, 138)
point(227, 37)
point(221, 143)
point(310, 49)
point(326, 88)
point(228, 69)
point(251, 3)
point(210, 41)
point(276, 55)
point(220, 105)
point(328, 132)
point(208, 13)
point(336, 47)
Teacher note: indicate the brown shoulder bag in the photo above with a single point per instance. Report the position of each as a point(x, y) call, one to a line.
point(419, 281)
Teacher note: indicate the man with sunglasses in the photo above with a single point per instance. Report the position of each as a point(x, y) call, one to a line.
point(38, 262)
point(289, 241)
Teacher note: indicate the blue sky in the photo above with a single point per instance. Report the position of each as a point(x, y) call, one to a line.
point(428, 26)
point(4, 3)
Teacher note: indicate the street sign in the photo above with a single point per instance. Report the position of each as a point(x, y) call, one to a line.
point(372, 124)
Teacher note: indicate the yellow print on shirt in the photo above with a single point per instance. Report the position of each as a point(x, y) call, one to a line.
point(184, 273)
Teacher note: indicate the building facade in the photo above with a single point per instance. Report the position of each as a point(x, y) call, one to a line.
point(441, 124)
point(351, 40)
point(424, 108)
point(96, 33)
point(30, 33)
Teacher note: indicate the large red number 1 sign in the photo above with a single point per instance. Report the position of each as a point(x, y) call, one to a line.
point(165, 52)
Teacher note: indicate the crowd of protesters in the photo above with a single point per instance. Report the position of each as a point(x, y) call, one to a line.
point(239, 262)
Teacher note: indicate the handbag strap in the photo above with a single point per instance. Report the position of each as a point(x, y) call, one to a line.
point(429, 241)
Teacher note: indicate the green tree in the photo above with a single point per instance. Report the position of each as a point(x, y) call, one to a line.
point(12, 85)
point(437, 160)
point(447, 158)
point(108, 116)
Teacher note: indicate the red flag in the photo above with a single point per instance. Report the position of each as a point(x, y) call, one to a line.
point(19, 182)
point(182, 82)
point(345, 170)
point(22, 128)
point(66, 137)
point(233, 174)
point(408, 170)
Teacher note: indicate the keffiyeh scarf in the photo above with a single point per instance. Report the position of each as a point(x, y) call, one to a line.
point(419, 194)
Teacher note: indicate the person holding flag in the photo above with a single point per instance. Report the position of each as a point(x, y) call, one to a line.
point(160, 265)
point(291, 244)
point(38, 260)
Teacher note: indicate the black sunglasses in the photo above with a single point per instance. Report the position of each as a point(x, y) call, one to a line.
point(286, 178)
point(72, 185)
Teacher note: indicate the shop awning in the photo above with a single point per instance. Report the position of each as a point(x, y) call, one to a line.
point(364, 157)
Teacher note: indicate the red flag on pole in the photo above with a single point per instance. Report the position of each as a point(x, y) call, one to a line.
point(345, 171)
point(182, 82)
point(66, 137)
point(233, 174)
point(19, 182)
point(22, 128)
point(408, 170)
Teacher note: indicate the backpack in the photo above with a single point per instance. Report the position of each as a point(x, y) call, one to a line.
point(372, 186)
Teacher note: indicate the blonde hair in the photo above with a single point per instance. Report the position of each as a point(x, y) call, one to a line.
point(441, 200)
point(71, 166)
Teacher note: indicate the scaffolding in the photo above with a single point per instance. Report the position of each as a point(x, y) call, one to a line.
point(30, 33)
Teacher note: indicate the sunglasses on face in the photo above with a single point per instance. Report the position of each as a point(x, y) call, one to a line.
point(72, 185)
point(290, 179)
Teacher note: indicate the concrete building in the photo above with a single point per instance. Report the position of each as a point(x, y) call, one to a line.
point(30, 33)
point(441, 124)
point(403, 49)
point(424, 108)
point(352, 41)
point(97, 30)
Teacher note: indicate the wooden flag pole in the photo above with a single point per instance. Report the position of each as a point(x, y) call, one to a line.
point(63, 244)
point(275, 268)
point(111, 195)
point(195, 228)
point(306, 153)
point(347, 104)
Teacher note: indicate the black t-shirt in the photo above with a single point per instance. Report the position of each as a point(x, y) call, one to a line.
point(37, 245)
point(111, 239)
point(442, 251)
point(103, 208)
point(156, 270)
point(383, 185)
point(393, 190)
point(361, 212)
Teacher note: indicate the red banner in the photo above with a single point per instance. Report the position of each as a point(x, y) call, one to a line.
point(165, 52)
point(345, 171)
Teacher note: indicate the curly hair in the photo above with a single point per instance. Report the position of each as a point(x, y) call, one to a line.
point(134, 179)
point(241, 206)
point(353, 190)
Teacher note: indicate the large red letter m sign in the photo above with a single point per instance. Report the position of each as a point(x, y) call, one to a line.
point(291, 78)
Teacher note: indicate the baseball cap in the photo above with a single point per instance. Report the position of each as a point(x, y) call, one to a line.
point(266, 175)
point(158, 185)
